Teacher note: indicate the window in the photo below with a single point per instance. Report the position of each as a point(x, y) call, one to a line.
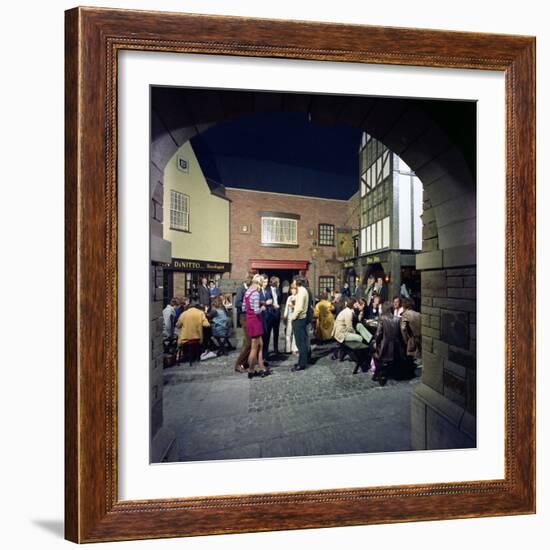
point(326, 282)
point(279, 231)
point(326, 234)
point(375, 236)
point(386, 232)
point(182, 164)
point(179, 211)
point(363, 240)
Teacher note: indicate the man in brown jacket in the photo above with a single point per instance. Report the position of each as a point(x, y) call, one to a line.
point(388, 355)
point(411, 330)
point(241, 365)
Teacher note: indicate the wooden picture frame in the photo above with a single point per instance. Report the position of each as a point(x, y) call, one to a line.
point(93, 39)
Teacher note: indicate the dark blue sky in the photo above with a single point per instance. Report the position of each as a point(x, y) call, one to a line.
point(281, 152)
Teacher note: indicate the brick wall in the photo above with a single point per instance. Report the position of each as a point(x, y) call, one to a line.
point(245, 209)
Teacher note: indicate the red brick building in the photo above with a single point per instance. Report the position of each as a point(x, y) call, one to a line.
point(284, 235)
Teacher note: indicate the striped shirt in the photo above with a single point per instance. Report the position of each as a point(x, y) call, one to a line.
point(254, 298)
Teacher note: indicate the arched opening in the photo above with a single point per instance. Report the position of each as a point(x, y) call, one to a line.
point(437, 141)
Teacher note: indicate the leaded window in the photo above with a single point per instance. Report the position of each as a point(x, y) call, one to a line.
point(179, 211)
point(326, 282)
point(281, 231)
point(326, 234)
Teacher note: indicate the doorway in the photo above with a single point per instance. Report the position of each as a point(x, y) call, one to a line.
point(285, 278)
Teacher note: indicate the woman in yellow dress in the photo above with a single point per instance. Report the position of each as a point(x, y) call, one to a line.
point(325, 319)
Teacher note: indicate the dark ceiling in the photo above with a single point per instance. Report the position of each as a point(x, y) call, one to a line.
point(281, 152)
point(304, 143)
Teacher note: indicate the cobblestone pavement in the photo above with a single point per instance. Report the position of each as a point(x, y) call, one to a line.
point(218, 413)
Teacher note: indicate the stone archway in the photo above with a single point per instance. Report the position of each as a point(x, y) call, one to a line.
point(432, 139)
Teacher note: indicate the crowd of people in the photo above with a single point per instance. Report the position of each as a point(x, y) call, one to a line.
point(203, 322)
point(390, 329)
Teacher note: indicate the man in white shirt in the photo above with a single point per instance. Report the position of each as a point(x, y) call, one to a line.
point(397, 307)
point(299, 324)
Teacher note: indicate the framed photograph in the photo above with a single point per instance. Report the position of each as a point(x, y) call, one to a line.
point(293, 259)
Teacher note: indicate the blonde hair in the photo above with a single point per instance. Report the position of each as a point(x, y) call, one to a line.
point(257, 280)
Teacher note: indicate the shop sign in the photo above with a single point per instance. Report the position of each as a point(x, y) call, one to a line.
point(344, 243)
point(181, 264)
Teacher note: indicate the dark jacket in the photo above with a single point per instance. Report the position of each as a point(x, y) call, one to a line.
point(265, 294)
point(389, 347)
point(310, 306)
point(383, 292)
point(239, 299)
point(204, 295)
point(373, 313)
point(368, 294)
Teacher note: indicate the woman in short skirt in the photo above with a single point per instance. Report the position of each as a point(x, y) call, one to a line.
point(254, 326)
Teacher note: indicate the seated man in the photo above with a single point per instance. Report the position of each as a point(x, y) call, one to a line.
point(388, 356)
point(343, 326)
point(360, 316)
point(220, 322)
point(375, 308)
point(192, 323)
point(344, 332)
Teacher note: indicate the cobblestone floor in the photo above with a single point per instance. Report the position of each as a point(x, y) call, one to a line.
point(220, 414)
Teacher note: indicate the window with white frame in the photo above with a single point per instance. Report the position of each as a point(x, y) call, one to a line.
point(375, 236)
point(279, 231)
point(179, 211)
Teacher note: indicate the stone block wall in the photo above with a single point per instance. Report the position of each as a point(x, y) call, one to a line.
point(162, 440)
point(449, 333)
point(156, 352)
point(444, 404)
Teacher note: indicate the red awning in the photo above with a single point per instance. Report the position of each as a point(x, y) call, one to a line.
point(298, 265)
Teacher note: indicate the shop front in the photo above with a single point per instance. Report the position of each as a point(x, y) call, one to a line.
point(349, 275)
point(394, 266)
point(182, 277)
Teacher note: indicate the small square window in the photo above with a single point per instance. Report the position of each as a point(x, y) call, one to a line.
point(326, 234)
point(326, 283)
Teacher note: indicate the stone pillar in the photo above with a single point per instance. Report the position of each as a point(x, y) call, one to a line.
point(162, 440)
point(444, 405)
point(395, 270)
point(360, 271)
point(156, 359)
